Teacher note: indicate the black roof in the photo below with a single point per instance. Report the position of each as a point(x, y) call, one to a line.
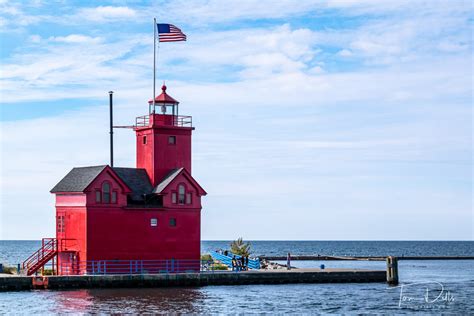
point(167, 180)
point(136, 179)
point(77, 179)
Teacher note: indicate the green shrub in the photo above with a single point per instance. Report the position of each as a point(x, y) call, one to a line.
point(48, 272)
point(239, 247)
point(10, 270)
point(219, 266)
point(206, 257)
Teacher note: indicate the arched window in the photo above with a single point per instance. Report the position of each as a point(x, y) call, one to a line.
point(105, 192)
point(181, 194)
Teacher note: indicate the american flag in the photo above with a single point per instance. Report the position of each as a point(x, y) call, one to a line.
point(170, 33)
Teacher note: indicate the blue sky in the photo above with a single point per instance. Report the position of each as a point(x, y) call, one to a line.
point(323, 120)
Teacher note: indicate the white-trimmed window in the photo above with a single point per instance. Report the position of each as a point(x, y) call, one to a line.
point(106, 192)
point(154, 222)
point(181, 194)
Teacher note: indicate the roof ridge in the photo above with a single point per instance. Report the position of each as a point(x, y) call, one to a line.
point(128, 168)
point(103, 166)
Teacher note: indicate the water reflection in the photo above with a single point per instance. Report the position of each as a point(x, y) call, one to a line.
point(361, 298)
point(141, 300)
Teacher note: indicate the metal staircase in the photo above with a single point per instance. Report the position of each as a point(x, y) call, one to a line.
point(36, 261)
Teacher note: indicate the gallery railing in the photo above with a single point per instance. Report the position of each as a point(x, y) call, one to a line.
point(97, 267)
point(161, 119)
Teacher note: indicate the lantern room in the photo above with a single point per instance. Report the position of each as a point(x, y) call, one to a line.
point(164, 111)
point(166, 104)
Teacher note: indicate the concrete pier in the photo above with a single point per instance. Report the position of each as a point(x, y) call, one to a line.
point(365, 258)
point(18, 283)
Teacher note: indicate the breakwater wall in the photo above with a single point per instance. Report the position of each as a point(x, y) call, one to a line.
point(335, 258)
point(18, 283)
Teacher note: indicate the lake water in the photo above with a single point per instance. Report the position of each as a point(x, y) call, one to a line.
point(428, 286)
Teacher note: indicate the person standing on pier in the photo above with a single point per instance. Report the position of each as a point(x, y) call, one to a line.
point(288, 261)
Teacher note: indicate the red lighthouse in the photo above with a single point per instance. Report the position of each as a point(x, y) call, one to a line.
point(116, 218)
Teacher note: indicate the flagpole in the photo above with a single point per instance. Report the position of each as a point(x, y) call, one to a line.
point(154, 62)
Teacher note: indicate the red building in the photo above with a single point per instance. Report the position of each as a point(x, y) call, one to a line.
point(145, 214)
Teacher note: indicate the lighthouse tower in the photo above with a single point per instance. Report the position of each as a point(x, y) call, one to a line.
point(163, 138)
point(131, 220)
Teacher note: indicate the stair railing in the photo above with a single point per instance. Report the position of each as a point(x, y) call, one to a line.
point(48, 246)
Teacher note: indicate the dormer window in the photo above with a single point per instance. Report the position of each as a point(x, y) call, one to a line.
point(182, 196)
point(105, 192)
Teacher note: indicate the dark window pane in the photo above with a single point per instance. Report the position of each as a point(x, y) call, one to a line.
point(114, 197)
point(106, 192)
point(171, 140)
point(60, 224)
point(172, 222)
point(97, 196)
point(173, 197)
point(181, 194)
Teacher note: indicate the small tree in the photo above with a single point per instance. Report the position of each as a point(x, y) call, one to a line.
point(239, 247)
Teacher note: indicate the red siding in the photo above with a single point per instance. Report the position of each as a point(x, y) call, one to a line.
point(72, 237)
point(71, 199)
point(126, 234)
point(157, 156)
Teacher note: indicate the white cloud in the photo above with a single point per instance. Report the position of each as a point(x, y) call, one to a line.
point(204, 12)
point(35, 38)
point(265, 59)
point(316, 70)
point(106, 13)
point(400, 8)
point(344, 53)
point(453, 46)
point(75, 38)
